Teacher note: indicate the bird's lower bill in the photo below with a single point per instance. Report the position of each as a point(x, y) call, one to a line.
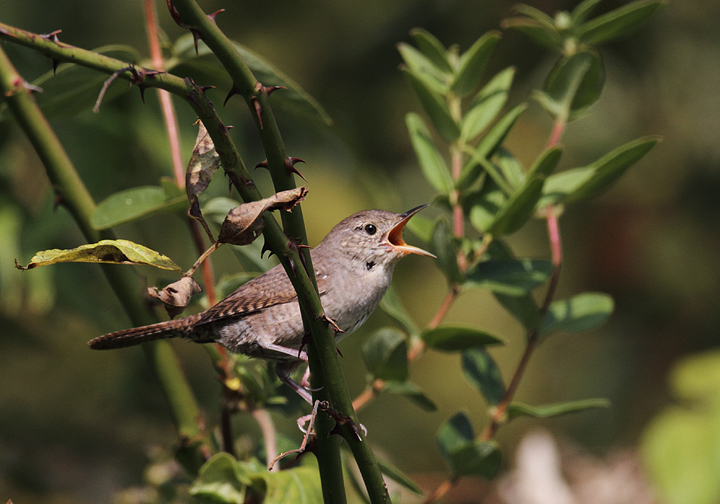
point(395, 238)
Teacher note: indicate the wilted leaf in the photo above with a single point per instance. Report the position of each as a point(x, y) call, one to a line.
point(429, 157)
point(105, 251)
point(385, 354)
point(579, 313)
point(481, 371)
point(517, 409)
point(458, 339)
point(245, 222)
point(487, 104)
point(412, 392)
point(436, 108)
point(132, 204)
point(472, 63)
point(618, 23)
point(513, 277)
point(176, 296)
point(203, 164)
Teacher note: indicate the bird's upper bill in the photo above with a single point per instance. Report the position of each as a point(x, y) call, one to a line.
point(395, 235)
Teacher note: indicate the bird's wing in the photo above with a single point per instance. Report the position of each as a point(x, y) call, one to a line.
point(269, 289)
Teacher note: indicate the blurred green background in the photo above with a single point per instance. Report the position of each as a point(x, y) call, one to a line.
point(75, 425)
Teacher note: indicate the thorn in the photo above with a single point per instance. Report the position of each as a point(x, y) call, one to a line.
point(290, 166)
point(233, 91)
point(269, 90)
point(214, 15)
point(261, 164)
point(258, 109)
point(55, 64)
point(196, 37)
point(205, 88)
point(52, 35)
point(334, 325)
point(142, 88)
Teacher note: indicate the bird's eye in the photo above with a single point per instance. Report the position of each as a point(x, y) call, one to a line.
point(370, 229)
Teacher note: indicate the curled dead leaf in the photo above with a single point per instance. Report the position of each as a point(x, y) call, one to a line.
point(176, 296)
point(203, 164)
point(244, 223)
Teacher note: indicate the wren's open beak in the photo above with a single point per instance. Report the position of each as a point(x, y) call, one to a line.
point(395, 235)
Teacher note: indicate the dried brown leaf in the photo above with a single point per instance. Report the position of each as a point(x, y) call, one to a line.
point(203, 164)
point(176, 296)
point(244, 223)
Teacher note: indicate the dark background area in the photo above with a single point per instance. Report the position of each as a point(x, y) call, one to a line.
point(77, 425)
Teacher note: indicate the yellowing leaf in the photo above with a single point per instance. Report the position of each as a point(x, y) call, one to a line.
point(105, 251)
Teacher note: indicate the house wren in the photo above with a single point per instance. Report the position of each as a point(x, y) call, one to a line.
point(353, 267)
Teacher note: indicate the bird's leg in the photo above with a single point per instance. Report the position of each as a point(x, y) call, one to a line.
point(284, 370)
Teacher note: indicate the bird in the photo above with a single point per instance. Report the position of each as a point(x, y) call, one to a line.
point(353, 267)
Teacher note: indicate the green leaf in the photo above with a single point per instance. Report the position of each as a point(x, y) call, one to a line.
point(432, 48)
point(513, 277)
point(457, 339)
point(582, 11)
point(294, 99)
point(299, 484)
point(424, 69)
point(546, 162)
point(481, 371)
point(222, 479)
point(422, 227)
point(429, 157)
point(436, 108)
point(385, 354)
point(485, 205)
point(472, 63)
point(540, 32)
point(516, 409)
point(576, 82)
point(618, 23)
point(445, 246)
point(487, 104)
point(518, 209)
point(106, 252)
point(510, 167)
point(463, 455)
point(137, 203)
point(398, 476)
point(523, 308)
point(583, 312)
point(412, 392)
point(592, 180)
point(391, 304)
point(534, 13)
point(73, 89)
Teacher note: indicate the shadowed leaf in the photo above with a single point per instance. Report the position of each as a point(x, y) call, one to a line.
point(429, 157)
point(139, 202)
point(481, 371)
point(517, 409)
point(472, 62)
point(385, 355)
point(412, 392)
point(457, 339)
point(513, 277)
point(618, 23)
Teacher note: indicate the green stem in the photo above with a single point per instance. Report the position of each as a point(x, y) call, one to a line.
point(73, 194)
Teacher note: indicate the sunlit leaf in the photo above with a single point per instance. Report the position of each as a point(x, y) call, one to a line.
point(412, 392)
point(139, 202)
point(472, 62)
point(432, 48)
point(516, 409)
point(435, 107)
point(583, 312)
point(458, 339)
point(481, 371)
point(429, 157)
point(513, 277)
point(107, 252)
point(487, 104)
point(618, 23)
point(385, 354)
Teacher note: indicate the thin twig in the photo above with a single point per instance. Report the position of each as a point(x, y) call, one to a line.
point(267, 426)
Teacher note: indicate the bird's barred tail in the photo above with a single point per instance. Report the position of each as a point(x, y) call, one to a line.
point(144, 334)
